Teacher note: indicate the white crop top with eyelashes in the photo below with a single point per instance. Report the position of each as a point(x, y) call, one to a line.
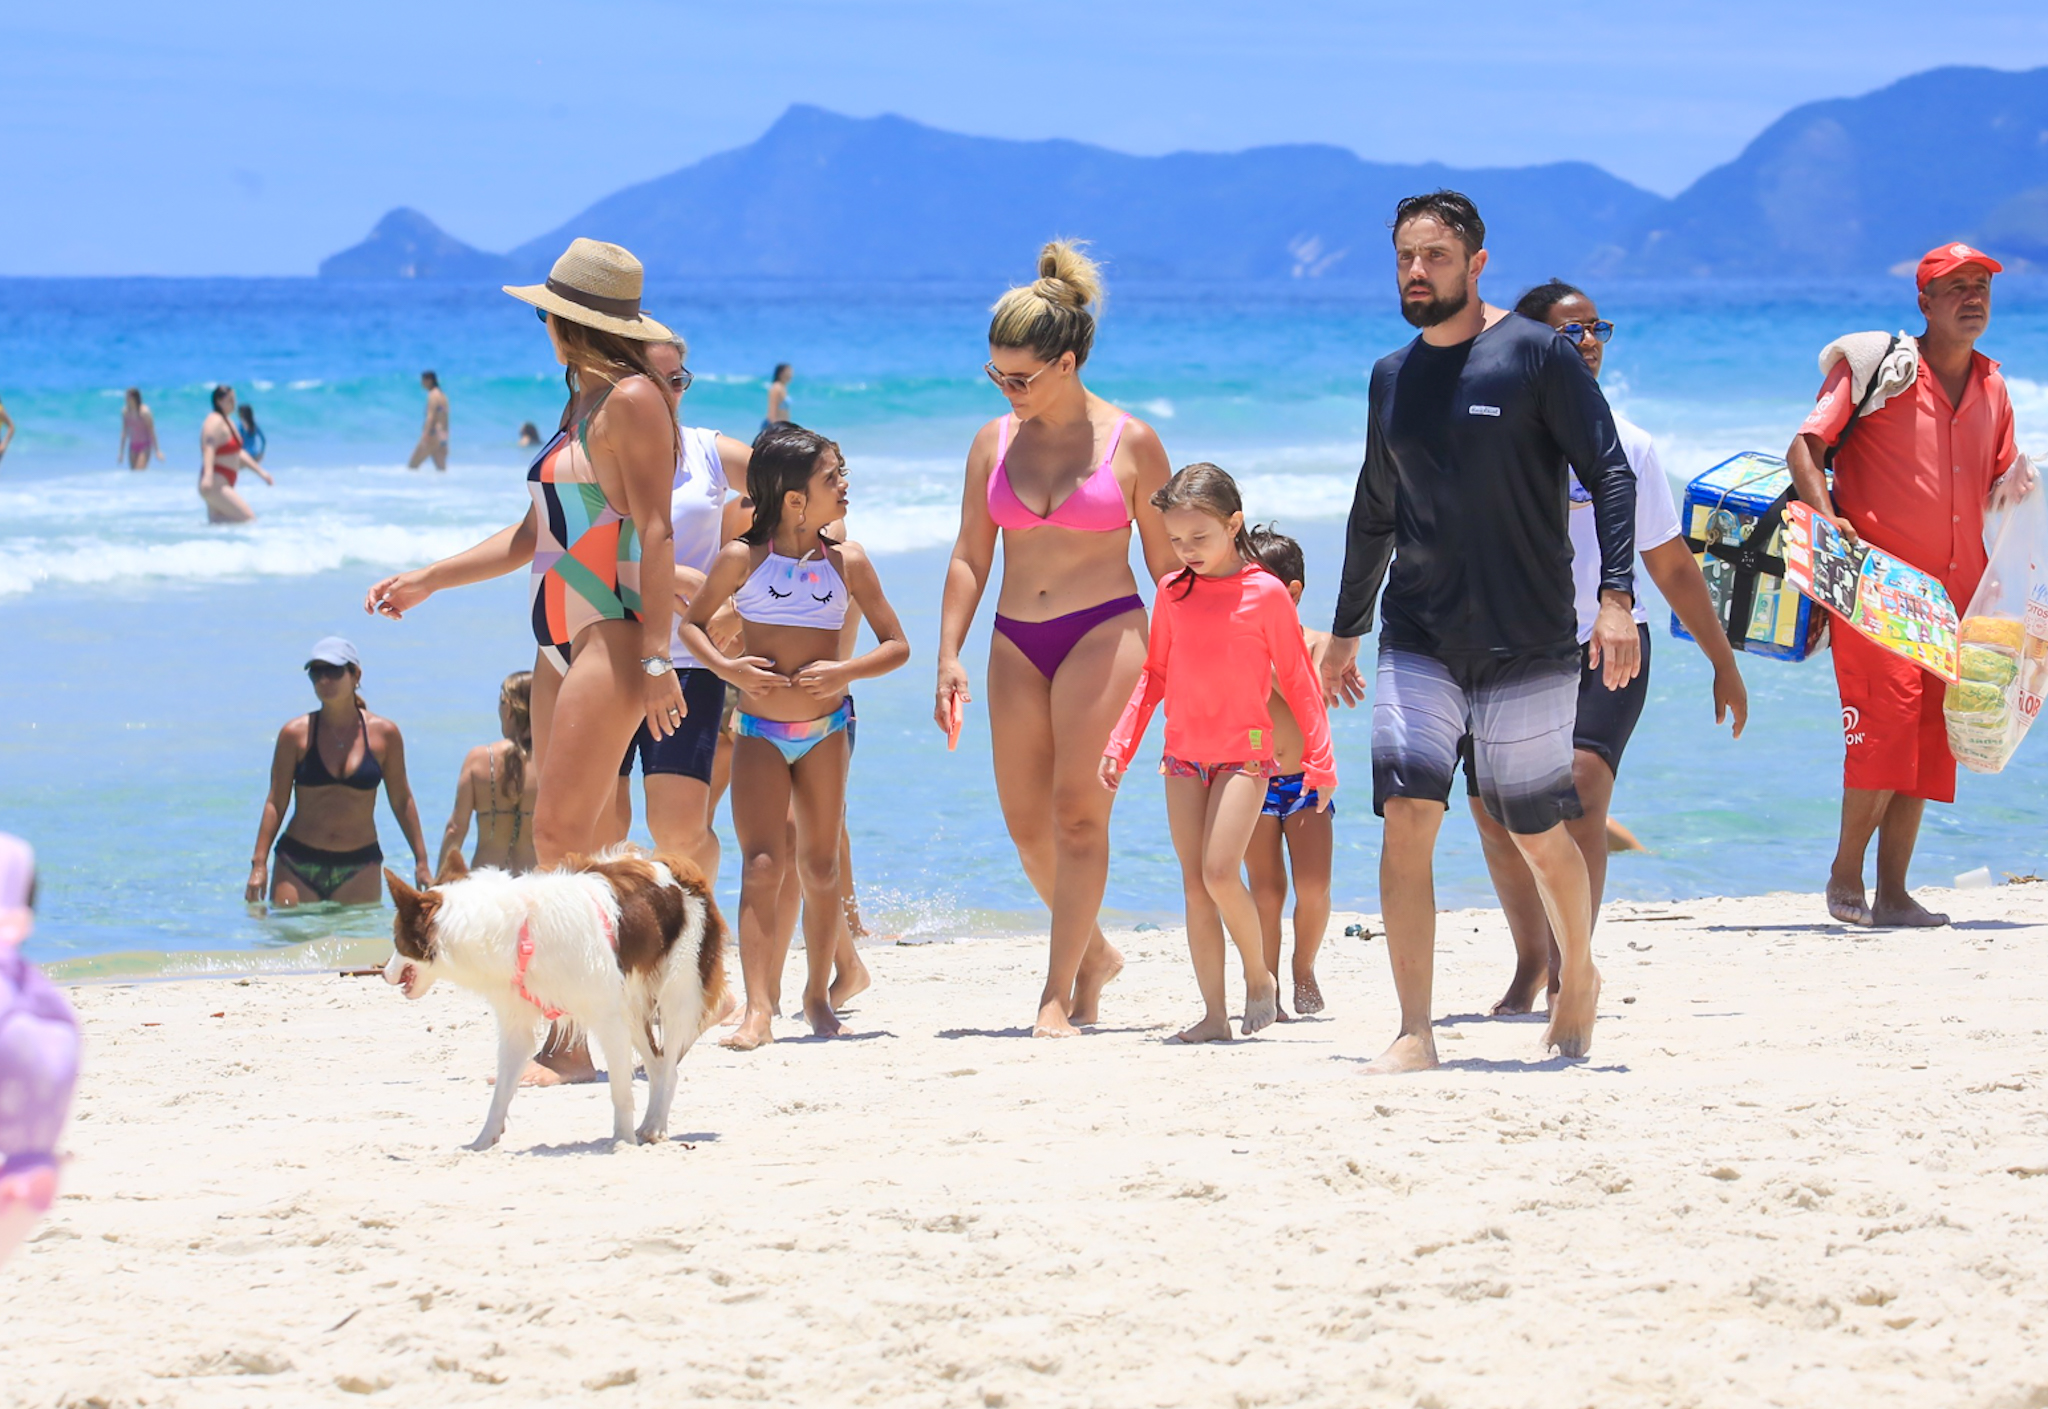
point(783, 591)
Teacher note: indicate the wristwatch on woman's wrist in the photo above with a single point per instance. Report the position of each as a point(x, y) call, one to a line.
point(656, 665)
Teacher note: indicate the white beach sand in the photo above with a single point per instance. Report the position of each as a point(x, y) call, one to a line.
point(1804, 1166)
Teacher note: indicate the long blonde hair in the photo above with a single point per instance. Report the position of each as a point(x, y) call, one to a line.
point(516, 695)
point(1055, 313)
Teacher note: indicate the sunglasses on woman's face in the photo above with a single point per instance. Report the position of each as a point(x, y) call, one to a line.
point(541, 313)
point(321, 670)
point(681, 380)
point(1010, 381)
point(1575, 333)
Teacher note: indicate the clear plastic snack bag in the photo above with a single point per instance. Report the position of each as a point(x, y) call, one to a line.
point(2004, 655)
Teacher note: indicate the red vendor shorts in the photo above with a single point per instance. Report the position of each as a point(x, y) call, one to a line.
point(1891, 721)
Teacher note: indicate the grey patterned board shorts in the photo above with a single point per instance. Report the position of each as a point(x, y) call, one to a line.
point(1519, 710)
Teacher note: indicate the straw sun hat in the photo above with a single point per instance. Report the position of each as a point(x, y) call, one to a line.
point(597, 285)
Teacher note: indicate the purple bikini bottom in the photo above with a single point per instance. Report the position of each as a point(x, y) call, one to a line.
point(1046, 643)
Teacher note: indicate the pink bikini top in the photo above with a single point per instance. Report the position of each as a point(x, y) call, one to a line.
point(1096, 507)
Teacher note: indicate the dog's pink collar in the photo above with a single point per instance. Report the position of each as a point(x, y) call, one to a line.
point(520, 964)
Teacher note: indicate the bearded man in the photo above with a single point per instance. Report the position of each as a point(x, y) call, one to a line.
point(1475, 428)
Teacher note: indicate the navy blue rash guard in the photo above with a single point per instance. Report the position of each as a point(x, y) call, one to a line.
point(1465, 488)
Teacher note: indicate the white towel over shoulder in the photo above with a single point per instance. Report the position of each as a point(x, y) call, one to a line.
point(1865, 355)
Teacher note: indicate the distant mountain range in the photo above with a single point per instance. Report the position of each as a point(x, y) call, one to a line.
point(1843, 187)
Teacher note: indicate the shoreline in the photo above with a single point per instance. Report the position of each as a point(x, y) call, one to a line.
point(1755, 1190)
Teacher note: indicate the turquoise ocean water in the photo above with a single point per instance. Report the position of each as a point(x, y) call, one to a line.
point(148, 659)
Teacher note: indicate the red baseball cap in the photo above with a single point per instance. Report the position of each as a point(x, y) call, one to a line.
point(1946, 259)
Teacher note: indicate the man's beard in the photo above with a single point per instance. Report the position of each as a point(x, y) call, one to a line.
point(1436, 310)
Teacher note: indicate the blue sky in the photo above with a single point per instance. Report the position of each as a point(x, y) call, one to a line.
point(255, 138)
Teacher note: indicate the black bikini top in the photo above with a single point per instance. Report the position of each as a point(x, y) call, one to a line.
point(312, 771)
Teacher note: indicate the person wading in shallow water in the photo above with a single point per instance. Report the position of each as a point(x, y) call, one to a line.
point(326, 768)
point(434, 433)
point(1473, 432)
point(1914, 479)
point(1062, 477)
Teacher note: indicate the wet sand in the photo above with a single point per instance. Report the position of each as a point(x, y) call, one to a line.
point(1804, 1165)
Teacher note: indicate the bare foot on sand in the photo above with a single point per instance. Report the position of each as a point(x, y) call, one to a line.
point(1089, 983)
point(1261, 1008)
point(1308, 998)
point(1210, 1029)
point(1903, 912)
point(1522, 992)
point(1053, 1021)
point(1411, 1051)
point(1571, 1017)
point(1845, 901)
point(849, 986)
point(571, 1066)
point(824, 1022)
point(756, 1029)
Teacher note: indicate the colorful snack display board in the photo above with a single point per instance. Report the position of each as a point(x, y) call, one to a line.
point(1733, 519)
point(1893, 603)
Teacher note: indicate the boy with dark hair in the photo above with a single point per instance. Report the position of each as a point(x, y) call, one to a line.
point(1290, 817)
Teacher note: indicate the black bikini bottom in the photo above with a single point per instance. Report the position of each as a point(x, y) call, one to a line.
point(326, 871)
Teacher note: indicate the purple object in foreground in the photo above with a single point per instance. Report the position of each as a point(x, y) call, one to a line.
point(38, 1057)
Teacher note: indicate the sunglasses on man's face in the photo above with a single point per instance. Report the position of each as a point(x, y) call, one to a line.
point(1575, 333)
point(1010, 381)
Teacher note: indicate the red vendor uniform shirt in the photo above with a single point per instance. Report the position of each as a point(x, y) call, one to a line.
point(1913, 480)
point(1915, 476)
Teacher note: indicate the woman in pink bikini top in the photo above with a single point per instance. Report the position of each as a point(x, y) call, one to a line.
point(1061, 478)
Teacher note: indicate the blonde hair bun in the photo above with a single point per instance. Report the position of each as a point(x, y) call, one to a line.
point(1066, 275)
point(1055, 313)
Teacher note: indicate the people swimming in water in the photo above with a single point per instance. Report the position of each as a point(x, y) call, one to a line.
point(222, 458)
point(325, 771)
point(1060, 478)
point(792, 586)
point(138, 432)
point(254, 441)
point(496, 788)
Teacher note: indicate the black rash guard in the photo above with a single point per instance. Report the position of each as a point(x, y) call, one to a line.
point(1466, 488)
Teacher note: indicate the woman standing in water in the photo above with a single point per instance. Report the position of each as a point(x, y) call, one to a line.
point(1062, 477)
point(222, 457)
point(778, 398)
point(326, 769)
point(138, 433)
point(496, 787)
point(597, 539)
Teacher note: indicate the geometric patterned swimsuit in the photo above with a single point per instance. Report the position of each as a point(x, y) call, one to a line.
point(586, 557)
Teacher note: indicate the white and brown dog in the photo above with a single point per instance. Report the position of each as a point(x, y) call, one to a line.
point(624, 947)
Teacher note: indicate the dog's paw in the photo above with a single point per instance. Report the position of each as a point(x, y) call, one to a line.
point(624, 1140)
point(652, 1135)
point(484, 1141)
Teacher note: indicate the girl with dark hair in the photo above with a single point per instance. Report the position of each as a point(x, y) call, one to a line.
point(597, 539)
point(1224, 631)
point(138, 432)
point(496, 787)
point(254, 441)
point(222, 457)
point(1061, 477)
point(792, 586)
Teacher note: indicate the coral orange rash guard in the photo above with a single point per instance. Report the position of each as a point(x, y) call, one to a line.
point(1218, 644)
